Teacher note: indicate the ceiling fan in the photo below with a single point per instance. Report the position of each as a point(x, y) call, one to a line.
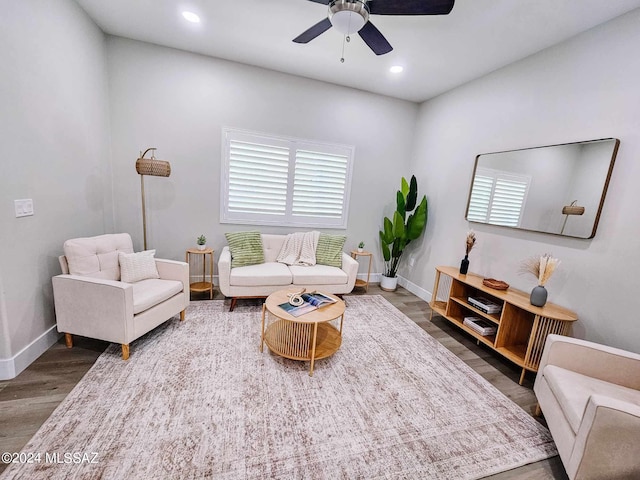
point(350, 16)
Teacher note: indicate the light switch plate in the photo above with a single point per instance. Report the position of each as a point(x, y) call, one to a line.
point(24, 207)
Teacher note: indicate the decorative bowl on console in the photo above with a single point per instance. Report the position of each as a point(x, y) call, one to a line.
point(495, 284)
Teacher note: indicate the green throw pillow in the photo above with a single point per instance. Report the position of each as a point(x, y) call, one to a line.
point(329, 250)
point(246, 248)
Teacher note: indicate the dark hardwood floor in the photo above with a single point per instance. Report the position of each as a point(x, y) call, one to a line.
point(27, 400)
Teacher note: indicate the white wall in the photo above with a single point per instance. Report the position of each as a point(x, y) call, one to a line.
point(583, 89)
point(179, 102)
point(54, 149)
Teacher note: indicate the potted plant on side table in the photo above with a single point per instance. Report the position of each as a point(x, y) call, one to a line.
point(400, 231)
point(202, 242)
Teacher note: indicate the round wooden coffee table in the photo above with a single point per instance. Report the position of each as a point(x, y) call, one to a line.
point(310, 336)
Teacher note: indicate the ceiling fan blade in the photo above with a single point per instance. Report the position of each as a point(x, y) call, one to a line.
point(324, 2)
point(314, 31)
point(376, 41)
point(410, 7)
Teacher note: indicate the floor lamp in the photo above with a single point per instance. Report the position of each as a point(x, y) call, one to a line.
point(571, 209)
point(154, 168)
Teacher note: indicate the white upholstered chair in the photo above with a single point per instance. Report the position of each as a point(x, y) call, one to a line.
point(92, 301)
point(590, 397)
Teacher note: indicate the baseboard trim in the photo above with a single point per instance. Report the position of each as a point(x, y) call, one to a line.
point(12, 367)
point(415, 289)
point(373, 278)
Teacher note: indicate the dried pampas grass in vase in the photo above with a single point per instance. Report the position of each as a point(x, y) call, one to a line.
point(471, 241)
point(542, 268)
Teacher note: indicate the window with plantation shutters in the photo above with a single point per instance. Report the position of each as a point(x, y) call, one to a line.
point(497, 197)
point(269, 180)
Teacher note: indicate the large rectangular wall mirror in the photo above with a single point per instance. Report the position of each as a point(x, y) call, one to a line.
point(558, 189)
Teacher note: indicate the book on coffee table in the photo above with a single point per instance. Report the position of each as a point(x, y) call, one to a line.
point(312, 301)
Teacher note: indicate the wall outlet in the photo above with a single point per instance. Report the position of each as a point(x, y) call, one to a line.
point(24, 207)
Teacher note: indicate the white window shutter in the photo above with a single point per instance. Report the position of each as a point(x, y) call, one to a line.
point(257, 178)
point(319, 184)
point(508, 201)
point(480, 200)
point(497, 197)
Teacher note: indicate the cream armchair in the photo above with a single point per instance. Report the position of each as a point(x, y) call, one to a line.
point(590, 397)
point(92, 301)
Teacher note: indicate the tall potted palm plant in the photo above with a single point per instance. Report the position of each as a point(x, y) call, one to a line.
point(409, 221)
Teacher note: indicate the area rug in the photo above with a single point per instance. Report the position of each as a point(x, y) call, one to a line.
point(198, 400)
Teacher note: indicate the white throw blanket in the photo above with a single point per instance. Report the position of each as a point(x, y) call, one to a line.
point(299, 249)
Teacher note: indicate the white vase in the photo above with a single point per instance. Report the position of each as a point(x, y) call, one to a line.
point(202, 247)
point(388, 284)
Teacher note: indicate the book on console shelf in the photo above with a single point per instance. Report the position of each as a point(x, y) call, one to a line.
point(483, 327)
point(312, 301)
point(484, 304)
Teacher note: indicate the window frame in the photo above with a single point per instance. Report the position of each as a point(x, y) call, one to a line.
point(294, 144)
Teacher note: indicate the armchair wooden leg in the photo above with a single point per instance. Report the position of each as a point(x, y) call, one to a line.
point(68, 340)
point(538, 410)
point(182, 313)
point(234, 300)
point(125, 351)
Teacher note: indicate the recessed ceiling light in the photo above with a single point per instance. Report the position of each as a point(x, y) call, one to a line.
point(191, 17)
point(396, 69)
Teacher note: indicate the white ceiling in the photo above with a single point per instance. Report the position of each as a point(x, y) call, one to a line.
point(437, 52)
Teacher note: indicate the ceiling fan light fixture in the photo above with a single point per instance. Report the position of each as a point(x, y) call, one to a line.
point(348, 16)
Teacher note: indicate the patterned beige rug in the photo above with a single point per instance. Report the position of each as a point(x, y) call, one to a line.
point(198, 400)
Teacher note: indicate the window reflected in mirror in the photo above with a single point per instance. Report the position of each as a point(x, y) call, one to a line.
point(557, 189)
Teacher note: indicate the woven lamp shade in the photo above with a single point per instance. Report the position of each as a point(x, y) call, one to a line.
point(572, 210)
point(153, 167)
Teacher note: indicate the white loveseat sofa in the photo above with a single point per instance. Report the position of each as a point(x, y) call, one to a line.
point(261, 280)
point(590, 397)
point(92, 301)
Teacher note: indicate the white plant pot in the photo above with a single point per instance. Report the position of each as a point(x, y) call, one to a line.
point(360, 250)
point(388, 284)
point(202, 247)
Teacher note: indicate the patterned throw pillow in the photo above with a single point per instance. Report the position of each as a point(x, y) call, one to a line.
point(246, 248)
point(137, 266)
point(329, 250)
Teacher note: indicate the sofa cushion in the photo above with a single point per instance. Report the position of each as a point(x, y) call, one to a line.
point(318, 275)
point(329, 250)
point(137, 266)
point(271, 245)
point(271, 273)
point(246, 248)
point(148, 293)
point(97, 256)
point(572, 391)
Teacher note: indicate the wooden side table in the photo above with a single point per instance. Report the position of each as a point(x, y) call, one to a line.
point(205, 285)
point(361, 283)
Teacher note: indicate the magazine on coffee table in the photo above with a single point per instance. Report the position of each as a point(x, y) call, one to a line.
point(312, 301)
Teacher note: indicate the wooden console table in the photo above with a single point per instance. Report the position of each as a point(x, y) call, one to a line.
point(522, 328)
